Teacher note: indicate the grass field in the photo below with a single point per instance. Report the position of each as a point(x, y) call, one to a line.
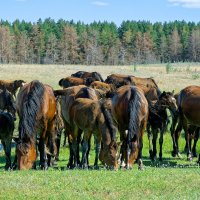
point(171, 179)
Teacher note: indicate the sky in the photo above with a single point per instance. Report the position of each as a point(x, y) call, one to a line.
point(88, 11)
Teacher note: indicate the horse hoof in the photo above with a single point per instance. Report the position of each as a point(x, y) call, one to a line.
point(190, 158)
point(179, 155)
point(194, 154)
point(96, 167)
point(8, 168)
point(44, 167)
point(141, 168)
point(173, 154)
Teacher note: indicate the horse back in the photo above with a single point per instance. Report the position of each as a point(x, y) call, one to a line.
point(189, 104)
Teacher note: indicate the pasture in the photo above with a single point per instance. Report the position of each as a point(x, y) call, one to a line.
point(174, 178)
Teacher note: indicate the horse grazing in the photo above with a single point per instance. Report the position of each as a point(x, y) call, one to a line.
point(92, 116)
point(6, 133)
point(188, 118)
point(158, 121)
point(11, 86)
point(130, 110)
point(36, 107)
point(7, 102)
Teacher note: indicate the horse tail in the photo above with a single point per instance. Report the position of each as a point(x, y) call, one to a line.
point(134, 110)
point(109, 122)
point(30, 109)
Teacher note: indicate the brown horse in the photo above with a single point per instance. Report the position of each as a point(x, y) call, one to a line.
point(92, 117)
point(71, 81)
point(82, 116)
point(11, 86)
point(67, 98)
point(94, 75)
point(6, 133)
point(188, 118)
point(118, 80)
point(36, 107)
point(130, 110)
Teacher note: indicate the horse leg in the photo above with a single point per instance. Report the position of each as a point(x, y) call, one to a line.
point(58, 146)
point(140, 146)
point(155, 136)
point(177, 135)
point(43, 163)
point(122, 148)
point(189, 155)
point(150, 141)
point(7, 149)
point(97, 150)
point(89, 147)
point(65, 138)
point(85, 150)
point(161, 143)
point(78, 143)
point(196, 138)
point(14, 164)
point(172, 130)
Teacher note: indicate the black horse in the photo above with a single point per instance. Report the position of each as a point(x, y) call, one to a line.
point(7, 102)
point(158, 121)
point(6, 133)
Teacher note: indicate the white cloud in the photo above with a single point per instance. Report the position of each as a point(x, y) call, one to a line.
point(186, 3)
point(100, 3)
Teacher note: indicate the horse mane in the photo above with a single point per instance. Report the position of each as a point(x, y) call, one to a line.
point(133, 110)
point(109, 121)
point(30, 109)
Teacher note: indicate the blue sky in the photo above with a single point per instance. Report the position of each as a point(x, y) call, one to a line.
point(94, 10)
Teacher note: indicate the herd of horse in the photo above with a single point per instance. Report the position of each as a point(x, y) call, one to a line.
point(88, 106)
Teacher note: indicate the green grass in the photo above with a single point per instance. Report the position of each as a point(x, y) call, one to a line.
point(173, 178)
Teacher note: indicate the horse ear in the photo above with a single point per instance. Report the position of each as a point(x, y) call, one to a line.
point(162, 94)
point(60, 82)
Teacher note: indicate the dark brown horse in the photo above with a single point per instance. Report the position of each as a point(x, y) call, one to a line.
point(95, 76)
point(6, 133)
point(71, 81)
point(36, 107)
point(130, 110)
point(158, 121)
point(7, 102)
point(188, 119)
point(11, 86)
point(118, 80)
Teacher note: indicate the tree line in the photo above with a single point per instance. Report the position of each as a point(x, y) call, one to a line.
point(99, 43)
